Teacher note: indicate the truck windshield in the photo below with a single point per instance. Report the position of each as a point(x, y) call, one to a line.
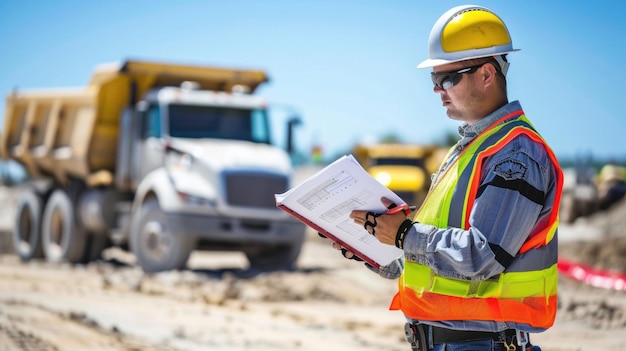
point(193, 121)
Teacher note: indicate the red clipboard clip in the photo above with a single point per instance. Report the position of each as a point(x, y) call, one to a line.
point(404, 208)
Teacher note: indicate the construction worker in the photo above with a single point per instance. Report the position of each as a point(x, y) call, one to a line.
point(611, 184)
point(479, 270)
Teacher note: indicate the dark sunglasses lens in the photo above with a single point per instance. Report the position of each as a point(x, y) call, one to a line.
point(437, 78)
point(446, 80)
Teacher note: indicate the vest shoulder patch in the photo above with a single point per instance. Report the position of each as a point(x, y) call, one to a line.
point(511, 169)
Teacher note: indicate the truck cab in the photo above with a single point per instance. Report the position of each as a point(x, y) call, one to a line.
point(204, 161)
point(180, 120)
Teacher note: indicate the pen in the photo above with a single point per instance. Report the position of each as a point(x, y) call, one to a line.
point(404, 207)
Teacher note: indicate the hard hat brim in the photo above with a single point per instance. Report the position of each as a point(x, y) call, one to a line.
point(440, 62)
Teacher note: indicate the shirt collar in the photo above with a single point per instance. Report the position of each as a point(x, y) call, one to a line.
point(470, 131)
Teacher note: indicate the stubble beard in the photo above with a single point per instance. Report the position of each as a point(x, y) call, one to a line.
point(454, 113)
point(466, 110)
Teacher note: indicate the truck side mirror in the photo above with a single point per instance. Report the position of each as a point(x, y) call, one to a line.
point(291, 124)
point(142, 106)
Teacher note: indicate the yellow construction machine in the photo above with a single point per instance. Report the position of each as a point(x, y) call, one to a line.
point(403, 168)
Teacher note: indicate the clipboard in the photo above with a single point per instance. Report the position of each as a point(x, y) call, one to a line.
point(325, 200)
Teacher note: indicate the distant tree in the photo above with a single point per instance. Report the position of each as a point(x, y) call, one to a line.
point(390, 138)
point(449, 139)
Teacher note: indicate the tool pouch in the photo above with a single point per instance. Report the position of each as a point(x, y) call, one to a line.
point(416, 336)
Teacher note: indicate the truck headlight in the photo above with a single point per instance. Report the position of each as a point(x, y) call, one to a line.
point(191, 187)
point(194, 200)
point(384, 178)
point(179, 162)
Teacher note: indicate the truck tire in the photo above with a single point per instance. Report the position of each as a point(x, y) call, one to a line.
point(63, 239)
point(155, 247)
point(27, 226)
point(276, 258)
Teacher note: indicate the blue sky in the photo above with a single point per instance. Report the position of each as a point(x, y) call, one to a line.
point(348, 67)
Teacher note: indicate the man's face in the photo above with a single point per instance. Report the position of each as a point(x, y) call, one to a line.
point(461, 99)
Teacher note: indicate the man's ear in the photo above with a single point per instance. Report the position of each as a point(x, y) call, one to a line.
point(489, 73)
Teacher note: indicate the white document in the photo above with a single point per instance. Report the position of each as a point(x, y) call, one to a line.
point(325, 200)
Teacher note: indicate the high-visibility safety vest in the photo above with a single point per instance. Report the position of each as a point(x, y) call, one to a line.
point(526, 292)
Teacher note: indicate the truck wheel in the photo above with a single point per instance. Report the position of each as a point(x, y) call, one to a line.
point(277, 258)
point(155, 247)
point(26, 229)
point(63, 239)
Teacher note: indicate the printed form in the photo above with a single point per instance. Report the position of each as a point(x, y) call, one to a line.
point(325, 200)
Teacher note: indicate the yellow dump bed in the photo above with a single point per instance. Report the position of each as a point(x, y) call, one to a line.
point(73, 133)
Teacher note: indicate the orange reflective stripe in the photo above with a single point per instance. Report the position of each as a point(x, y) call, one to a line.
point(542, 238)
point(473, 188)
point(547, 233)
point(538, 312)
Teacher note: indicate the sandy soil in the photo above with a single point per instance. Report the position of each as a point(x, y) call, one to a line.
point(328, 303)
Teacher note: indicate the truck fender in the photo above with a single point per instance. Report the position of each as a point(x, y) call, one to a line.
point(158, 184)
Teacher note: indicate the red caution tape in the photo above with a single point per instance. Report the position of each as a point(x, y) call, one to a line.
point(592, 276)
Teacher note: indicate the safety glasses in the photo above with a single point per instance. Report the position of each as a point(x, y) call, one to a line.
point(446, 80)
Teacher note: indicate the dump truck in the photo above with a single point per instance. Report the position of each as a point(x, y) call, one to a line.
point(403, 168)
point(157, 158)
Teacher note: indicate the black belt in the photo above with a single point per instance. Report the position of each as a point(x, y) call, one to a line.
point(418, 335)
point(445, 336)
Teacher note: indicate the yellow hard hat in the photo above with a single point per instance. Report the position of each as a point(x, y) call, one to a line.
point(467, 32)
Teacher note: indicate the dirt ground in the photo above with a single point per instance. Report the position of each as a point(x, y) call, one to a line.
point(328, 303)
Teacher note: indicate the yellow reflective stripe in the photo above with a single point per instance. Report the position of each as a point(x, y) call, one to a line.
point(436, 212)
point(552, 231)
point(513, 285)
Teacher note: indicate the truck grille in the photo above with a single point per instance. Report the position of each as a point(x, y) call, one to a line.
point(251, 189)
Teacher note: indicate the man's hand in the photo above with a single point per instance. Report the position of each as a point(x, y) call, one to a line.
point(347, 254)
point(385, 227)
